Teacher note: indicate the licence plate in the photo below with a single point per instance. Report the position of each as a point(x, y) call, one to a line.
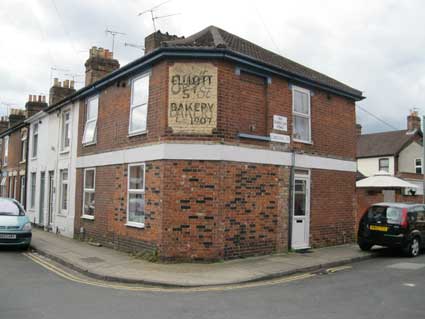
point(7, 236)
point(378, 228)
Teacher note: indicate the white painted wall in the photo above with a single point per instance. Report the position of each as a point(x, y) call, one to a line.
point(50, 158)
point(370, 166)
point(406, 159)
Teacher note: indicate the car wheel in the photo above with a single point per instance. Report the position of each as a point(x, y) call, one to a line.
point(365, 246)
point(413, 247)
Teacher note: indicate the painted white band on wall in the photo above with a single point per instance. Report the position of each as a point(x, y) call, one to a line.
point(212, 152)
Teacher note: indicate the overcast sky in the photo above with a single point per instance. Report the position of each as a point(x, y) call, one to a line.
point(375, 46)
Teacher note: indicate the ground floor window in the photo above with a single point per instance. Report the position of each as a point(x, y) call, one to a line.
point(33, 183)
point(136, 194)
point(89, 192)
point(22, 191)
point(63, 190)
point(3, 186)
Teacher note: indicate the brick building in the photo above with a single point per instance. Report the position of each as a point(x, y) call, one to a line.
point(14, 151)
point(211, 147)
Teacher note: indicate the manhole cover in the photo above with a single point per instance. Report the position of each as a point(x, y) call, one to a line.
point(92, 260)
point(407, 266)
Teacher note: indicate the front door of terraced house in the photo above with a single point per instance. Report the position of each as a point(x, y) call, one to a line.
point(301, 211)
point(51, 198)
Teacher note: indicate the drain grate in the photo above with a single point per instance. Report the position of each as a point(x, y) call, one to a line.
point(92, 260)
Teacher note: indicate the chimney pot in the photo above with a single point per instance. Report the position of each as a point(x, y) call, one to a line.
point(71, 85)
point(99, 64)
point(154, 40)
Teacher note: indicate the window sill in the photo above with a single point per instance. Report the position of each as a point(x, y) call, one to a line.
point(304, 142)
point(137, 133)
point(89, 144)
point(33, 158)
point(88, 217)
point(135, 225)
point(22, 162)
point(64, 152)
point(62, 214)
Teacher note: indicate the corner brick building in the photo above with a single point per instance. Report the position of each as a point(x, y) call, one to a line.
point(211, 147)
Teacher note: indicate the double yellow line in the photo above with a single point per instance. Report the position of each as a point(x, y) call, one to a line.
point(69, 276)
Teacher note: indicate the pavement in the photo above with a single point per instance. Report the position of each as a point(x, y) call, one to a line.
point(112, 265)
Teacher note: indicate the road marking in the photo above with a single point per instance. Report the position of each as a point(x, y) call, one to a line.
point(340, 268)
point(45, 263)
point(408, 284)
point(406, 266)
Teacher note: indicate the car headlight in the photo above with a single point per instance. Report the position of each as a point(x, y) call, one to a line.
point(27, 227)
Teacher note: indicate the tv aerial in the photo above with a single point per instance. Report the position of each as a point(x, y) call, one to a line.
point(113, 33)
point(155, 17)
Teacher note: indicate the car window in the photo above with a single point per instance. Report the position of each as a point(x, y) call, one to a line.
point(384, 214)
point(9, 208)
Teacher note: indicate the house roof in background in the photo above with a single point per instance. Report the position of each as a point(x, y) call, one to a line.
point(214, 37)
point(383, 144)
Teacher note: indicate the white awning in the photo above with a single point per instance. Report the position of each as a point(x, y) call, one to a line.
point(384, 180)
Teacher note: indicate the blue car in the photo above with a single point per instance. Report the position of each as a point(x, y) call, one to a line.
point(15, 226)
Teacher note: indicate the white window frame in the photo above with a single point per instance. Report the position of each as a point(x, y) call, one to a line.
point(93, 120)
point(418, 166)
point(135, 191)
point(133, 106)
point(62, 182)
point(379, 163)
point(3, 187)
point(10, 187)
point(6, 150)
point(24, 141)
point(88, 190)
point(34, 151)
point(297, 114)
point(33, 182)
point(22, 191)
point(65, 122)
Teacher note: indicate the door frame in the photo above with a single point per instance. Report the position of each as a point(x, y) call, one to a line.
point(305, 175)
point(51, 198)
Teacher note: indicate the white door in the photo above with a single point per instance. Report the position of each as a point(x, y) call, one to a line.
point(301, 212)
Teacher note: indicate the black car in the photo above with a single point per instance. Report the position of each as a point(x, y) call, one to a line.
point(396, 225)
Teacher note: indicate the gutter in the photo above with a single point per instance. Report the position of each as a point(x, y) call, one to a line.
point(163, 52)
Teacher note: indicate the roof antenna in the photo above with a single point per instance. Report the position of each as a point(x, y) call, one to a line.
point(136, 46)
point(113, 33)
point(153, 17)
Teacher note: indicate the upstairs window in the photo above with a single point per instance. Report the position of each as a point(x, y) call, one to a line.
point(34, 140)
point(6, 150)
point(66, 131)
point(418, 166)
point(139, 104)
point(301, 114)
point(384, 164)
point(23, 146)
point(89, 136)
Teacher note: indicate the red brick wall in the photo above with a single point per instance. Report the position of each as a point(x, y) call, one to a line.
point(243, 100)
point(332, 220)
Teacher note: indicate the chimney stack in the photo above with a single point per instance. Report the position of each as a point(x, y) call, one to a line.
point(154, 40)
point(35, 104)
point(358, 129)
point(60, 91)
point(4, 123)
point(16, 116)
point(100, 63)
point(413, 122)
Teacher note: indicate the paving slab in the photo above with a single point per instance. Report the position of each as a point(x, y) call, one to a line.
point(109, 264)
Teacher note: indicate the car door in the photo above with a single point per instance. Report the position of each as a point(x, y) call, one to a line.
point(420, 221)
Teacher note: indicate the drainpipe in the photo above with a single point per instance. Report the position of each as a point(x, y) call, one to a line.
point(290, 201)
point(423, 159)
point(26, 168)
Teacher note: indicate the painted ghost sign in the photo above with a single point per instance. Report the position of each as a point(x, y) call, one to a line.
point(192, 98)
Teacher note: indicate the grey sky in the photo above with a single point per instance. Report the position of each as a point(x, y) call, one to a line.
point(375, 46)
